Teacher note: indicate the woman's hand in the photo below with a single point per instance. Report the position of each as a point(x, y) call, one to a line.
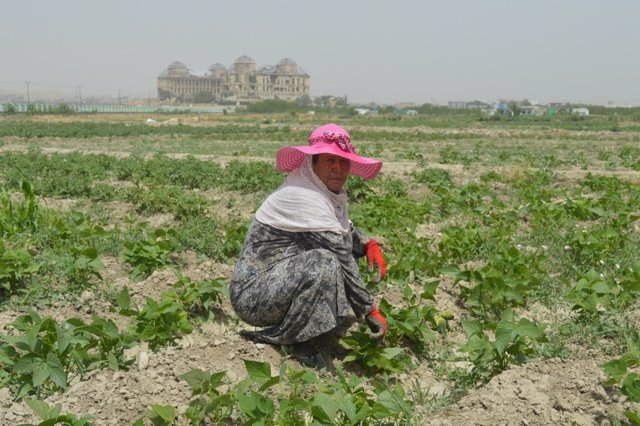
point(374, 255)
point(376, 322)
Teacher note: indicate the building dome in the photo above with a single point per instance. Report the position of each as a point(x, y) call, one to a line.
point(177, 69)
point(177, 65)
point(287, 61)
point(244, 59)
point(287, 66)
point(217, 70)
point(244, 66)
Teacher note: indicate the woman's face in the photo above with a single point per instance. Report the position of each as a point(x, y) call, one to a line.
point(333, 171)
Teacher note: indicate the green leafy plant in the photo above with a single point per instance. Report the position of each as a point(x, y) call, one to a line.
point(40, 360)
point(160, 322)
point(294, 397)
point(18, 216)
point(53, 415)
point(209, 403)
point(622, 372)
point(250, 177)
point(515, 341)
point(460, 243)
point(16, 269)
point(203, 235)
point(296, 401)
point(584, 209)
point(359, 188)
point(508, 278)
point(200, 296)
point(591, 293)
point(36, 360)
point(433, 178)
point(159, 415)
point(233, 239)
point(167, 199)
point(373, 355)
point(85, 263)
point(351, 401)
point(588, 246)
point(417, 259)
point(150, 254)
point(254, 405)
point(81, 228)
point(449, 155)
point(104, 347)
point(412, 324)
point(629, 286)
point(379, 214)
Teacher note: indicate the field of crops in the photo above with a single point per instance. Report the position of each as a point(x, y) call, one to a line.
point(513, 251)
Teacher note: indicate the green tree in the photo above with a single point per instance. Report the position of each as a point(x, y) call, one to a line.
point(9, 109)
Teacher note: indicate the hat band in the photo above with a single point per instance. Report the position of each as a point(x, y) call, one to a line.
point(341, 140)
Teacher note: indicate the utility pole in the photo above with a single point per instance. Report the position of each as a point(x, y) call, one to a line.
point(119, 98)
point(28, 98)
point(80, 93)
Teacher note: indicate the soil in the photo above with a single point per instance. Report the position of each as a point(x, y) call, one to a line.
point(549, 392)
point(545, 392)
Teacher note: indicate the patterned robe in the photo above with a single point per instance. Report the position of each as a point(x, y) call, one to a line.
point(298, 285)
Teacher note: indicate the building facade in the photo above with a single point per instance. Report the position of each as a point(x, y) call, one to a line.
point(241, 82)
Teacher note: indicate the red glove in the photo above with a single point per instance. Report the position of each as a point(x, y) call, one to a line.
point(374, 255)
point(376, 322)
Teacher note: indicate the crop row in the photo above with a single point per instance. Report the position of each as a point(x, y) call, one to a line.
point(286, 130)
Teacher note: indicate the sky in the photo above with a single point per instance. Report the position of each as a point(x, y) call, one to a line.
point(420, 51)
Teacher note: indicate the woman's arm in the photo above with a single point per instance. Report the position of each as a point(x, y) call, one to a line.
point(359, 241)
point(357, 293)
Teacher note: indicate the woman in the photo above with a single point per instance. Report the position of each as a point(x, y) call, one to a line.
point(297, 274)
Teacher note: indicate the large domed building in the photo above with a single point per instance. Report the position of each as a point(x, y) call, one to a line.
point(240, 82)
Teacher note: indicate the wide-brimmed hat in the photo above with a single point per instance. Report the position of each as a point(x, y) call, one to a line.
point(328, 139)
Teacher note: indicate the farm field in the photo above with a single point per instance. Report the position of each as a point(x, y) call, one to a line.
point(512, 246)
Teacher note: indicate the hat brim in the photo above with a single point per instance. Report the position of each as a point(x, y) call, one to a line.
point(291, 157)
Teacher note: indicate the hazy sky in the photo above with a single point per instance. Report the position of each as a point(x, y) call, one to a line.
point(372, 51)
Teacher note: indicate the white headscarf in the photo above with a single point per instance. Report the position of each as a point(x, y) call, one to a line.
point(303, 203)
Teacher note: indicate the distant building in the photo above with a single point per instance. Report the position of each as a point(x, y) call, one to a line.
point(468, 105)
point(580, 111)
point(405, 105)
point(457, 105)
point(531, 110)
point(477, 105)
point(409, 112)
point(241, 82)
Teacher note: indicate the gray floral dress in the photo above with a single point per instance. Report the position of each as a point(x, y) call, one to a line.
point(298, 285)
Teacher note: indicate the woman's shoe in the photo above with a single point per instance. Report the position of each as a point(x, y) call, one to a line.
point(308, 355)
point(254, 336)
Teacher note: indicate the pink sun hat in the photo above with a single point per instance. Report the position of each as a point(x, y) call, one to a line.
point(328, 139)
